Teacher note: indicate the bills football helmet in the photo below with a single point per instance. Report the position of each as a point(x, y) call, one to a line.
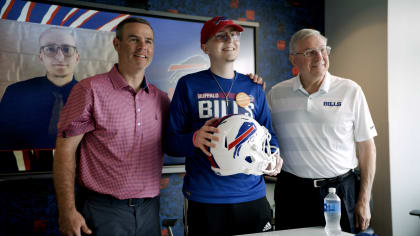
point(243, 147)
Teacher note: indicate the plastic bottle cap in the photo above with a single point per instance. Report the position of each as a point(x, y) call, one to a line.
point(331, 190)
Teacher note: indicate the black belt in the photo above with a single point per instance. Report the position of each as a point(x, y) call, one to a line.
point(316, 183)
point(321, 182)
point(131, 202)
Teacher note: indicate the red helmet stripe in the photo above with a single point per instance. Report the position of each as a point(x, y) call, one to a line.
point(212, 161)
point(240, 138)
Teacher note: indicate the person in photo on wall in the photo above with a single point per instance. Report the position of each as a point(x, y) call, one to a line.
point(30, 109)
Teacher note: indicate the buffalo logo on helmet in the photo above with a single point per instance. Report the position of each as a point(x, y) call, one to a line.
point(243, 147)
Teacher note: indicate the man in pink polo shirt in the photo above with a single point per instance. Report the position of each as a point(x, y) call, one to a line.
point(109, 141)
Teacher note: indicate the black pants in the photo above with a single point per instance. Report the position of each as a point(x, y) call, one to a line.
point(300, 204)
point(228, 219)
point(106, 215)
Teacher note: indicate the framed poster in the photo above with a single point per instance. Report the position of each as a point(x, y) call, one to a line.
point(26, 143)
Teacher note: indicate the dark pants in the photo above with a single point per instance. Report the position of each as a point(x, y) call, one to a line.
point(106, 215)
point(228, 219)
point(299, 204)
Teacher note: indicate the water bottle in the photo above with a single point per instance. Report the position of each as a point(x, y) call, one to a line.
point(332, 213)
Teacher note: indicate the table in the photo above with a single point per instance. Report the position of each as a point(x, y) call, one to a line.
point(311, 231)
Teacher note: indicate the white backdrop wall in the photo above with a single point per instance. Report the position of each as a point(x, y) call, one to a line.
point(357, 33)
point(376, 43)
point(404, 113)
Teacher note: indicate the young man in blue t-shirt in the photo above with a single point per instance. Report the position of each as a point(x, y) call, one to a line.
point(218, 205)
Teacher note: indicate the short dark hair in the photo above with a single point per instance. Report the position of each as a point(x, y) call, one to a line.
point(130, 20)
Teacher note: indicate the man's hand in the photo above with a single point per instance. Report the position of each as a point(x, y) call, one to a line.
point(257, 79)
point(279, 164)
point(362, 215)
point(204, 136)
point(366, 151)
point(71, 223)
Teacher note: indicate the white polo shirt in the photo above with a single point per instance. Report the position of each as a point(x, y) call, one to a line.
point(317, 132)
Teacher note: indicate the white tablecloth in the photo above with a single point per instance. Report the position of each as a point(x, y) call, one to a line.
point(312, 231)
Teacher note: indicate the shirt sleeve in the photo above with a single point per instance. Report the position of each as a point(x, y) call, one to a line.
point(268, 97)
point(364, 128)
point(178, 138)
point(76, 116)
point(264, 116)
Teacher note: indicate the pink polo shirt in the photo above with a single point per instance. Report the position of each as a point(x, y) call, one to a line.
point(121, 151)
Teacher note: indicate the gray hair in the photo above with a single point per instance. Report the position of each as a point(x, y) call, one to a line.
point(303, 34)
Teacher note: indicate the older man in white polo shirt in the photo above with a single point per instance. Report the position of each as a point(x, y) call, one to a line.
point(325, 131)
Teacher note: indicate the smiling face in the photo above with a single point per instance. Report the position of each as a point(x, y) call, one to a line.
point(223, 46)
point(135, 47)
point(311, 68)
point(58, 65)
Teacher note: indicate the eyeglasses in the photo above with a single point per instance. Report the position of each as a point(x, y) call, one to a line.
point(312, 52)
point(223, 36)
point(52, 50)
